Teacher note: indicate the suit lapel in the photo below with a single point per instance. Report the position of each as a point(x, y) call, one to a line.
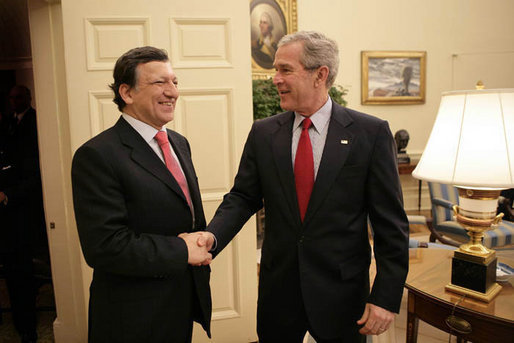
point(281, 147)
point(337, 148)
point(142, 154)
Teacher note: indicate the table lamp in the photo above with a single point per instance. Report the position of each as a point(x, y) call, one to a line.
point(472, 147)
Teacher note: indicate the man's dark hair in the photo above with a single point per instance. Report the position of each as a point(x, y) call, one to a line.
point(125, 69)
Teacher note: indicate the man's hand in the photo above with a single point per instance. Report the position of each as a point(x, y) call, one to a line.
point(205, 239)
point(376, 320)
point(197, 248)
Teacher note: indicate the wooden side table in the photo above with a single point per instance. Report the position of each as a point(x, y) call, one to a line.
point(404, 168)
point(429, 272)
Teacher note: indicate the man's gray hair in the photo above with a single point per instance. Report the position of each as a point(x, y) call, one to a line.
point(318, 50)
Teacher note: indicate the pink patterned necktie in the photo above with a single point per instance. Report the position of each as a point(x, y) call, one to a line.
point(162, 138)
point(304, 168)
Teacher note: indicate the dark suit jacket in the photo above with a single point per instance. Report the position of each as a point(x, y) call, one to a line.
point(324, 260)
point(129, 210)
point(23, 225)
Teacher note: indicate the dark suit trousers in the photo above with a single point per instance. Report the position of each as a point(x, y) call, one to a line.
point(288, 322)
point(294, 331)
point(137, 325)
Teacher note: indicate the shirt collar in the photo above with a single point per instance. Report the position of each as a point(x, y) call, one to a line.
point(319, 118)
point(146, 131)
point(19, 116)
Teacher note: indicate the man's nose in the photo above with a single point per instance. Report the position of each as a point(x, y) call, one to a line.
point(277, 78)
point(171, 89)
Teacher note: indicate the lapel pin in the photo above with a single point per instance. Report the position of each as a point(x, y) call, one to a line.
point(344, 141)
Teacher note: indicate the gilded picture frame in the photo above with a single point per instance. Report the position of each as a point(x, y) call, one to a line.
point(393, 77)
point(270, 20)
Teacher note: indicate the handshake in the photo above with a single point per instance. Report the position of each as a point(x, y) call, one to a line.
point(199, 244)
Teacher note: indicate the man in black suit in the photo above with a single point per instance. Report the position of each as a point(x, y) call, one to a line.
point(137, 219)
point(22, 229)
point(320, 184)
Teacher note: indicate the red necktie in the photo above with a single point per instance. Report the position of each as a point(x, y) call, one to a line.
point(304, 168)
point(162, 138)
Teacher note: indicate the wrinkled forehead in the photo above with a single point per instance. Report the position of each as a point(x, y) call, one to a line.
point(289, 55)
point(154, 69)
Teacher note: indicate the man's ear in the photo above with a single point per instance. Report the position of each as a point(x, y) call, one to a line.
point(126, 93)
point(322, 75)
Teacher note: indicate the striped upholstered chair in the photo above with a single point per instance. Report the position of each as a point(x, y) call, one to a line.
point(446, 230)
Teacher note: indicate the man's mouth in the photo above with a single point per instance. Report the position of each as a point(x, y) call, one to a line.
point(166, 103)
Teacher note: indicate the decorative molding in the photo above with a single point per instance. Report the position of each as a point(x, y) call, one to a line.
point(200, 43)
point(228, 305)
point(209, 110)
point(213, 196)
point(108, 38)
point(100, 114)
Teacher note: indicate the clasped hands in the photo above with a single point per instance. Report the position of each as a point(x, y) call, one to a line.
point(199, 244)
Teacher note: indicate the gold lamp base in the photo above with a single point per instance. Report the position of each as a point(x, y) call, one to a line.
point(474, 265)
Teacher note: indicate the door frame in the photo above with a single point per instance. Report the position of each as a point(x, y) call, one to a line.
point(46, 30)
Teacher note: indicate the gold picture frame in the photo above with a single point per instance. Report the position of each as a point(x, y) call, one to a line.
point(393, 77)
point(279, 17)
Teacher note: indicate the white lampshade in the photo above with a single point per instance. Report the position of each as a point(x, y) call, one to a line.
point(472, 141)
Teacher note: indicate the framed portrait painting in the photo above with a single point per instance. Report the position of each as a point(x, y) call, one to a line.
point(270, 20)
point(393, 77)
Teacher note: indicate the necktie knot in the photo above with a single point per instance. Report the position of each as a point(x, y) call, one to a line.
point(306, 123)
point(162, 138)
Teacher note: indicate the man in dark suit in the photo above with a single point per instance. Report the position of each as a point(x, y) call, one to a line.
point(23, 226)
point(136, 216)
point(22, 230)
point(320, 183)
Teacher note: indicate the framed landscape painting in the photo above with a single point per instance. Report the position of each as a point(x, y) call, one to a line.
point(393, 77)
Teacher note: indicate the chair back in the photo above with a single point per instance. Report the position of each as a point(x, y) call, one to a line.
point(445, 192)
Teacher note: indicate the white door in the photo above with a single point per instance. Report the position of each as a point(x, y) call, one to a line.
point(209, 47)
